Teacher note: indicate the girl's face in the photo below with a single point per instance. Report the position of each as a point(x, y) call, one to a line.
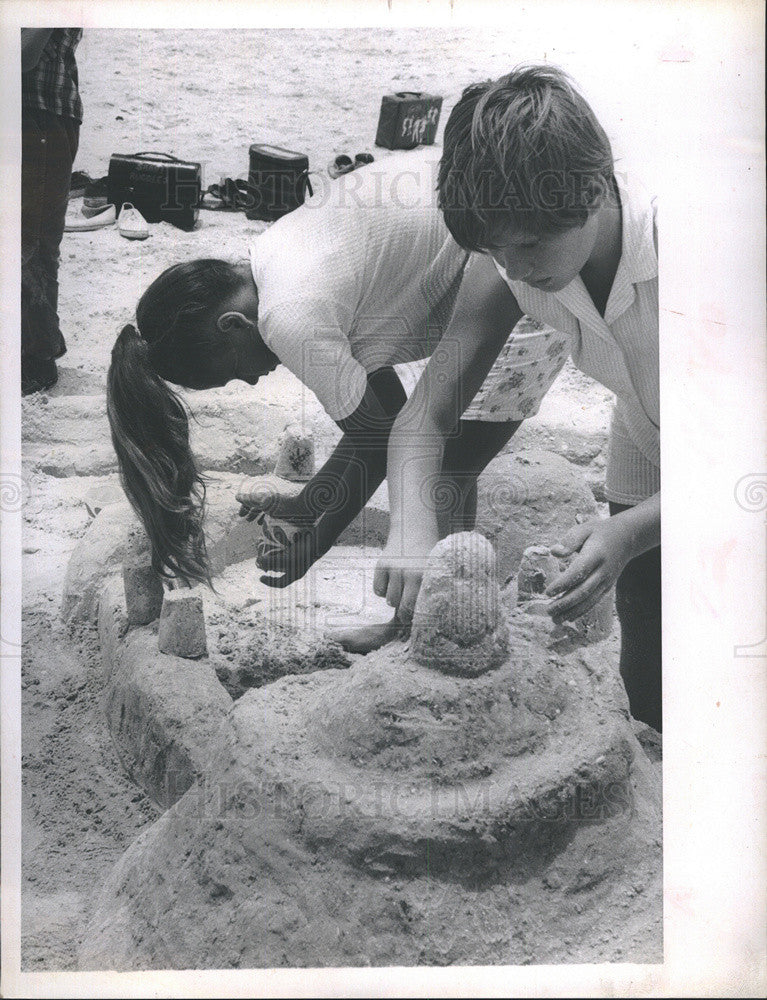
point(253, 359)
point(246, 359)
point(549, 261)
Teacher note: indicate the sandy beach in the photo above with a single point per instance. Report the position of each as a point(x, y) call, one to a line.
point(206, 95)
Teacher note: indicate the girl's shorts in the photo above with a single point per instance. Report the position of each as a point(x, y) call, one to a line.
point(523, 373)
point(631, 476)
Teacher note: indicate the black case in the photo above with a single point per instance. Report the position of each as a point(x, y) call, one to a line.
point(162, 187)
point(408, 119)
point(277, 181)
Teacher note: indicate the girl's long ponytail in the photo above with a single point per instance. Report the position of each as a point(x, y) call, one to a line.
point(150, 433)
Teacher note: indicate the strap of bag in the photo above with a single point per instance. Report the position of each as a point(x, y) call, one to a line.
point(167, 156)
point(305, 183)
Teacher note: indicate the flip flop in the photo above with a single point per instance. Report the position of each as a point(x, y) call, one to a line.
point(231, 195)
point(361, 159)
point(342, 164)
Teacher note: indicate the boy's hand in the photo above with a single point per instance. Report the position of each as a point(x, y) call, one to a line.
point(604, 548)
point(292, 559)
point(271, 495)
point(398, 577)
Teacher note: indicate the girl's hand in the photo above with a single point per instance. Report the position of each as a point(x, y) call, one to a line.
point(604, 548)
point(292, 559)
point(271, 495)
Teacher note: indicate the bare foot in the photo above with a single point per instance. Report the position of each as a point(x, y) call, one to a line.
point(366, 638)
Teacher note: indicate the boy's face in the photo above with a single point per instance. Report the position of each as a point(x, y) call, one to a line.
point(549, 261)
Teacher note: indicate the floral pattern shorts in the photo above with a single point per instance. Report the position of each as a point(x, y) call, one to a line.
point(523, 373)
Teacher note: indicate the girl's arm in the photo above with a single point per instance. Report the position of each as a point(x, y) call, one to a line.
point(338, 492)
point(484, 315)
point(604, 549)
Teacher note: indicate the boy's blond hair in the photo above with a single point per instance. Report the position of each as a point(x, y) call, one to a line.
point(525, 153)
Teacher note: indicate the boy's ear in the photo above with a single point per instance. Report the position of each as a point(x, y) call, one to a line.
point(600, 191)
point(231, 321)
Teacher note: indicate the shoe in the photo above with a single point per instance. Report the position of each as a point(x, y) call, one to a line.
point(341, 165)
point(362, 158)
point(132, 224)
point(90, 210)
point(37, 375)
point(79, 183)
point(95, 196)
point(76, 222)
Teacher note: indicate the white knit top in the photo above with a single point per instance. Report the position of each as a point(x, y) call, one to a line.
point(362, 276)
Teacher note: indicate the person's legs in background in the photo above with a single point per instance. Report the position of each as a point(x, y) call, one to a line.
point(638, 603)
point(49, 145)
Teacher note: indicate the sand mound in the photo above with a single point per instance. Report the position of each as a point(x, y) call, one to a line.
point(392, 813)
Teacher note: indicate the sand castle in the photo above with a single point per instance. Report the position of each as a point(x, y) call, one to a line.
point(475, 794)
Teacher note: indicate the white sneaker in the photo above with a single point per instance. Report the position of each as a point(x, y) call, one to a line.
point(76, 222)
point(132, 224)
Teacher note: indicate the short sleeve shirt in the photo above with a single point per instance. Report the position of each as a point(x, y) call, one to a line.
point(620, 350)
point(357, 278)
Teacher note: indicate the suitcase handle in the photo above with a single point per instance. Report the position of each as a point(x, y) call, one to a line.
point(409, 93)
point(149, 152)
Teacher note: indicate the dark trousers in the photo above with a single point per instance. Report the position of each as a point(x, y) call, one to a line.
point(48, 148)
point(638, 603)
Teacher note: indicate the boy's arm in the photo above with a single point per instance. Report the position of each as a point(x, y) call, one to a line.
point(346, 482)
point(33, 41)
point(484, 316)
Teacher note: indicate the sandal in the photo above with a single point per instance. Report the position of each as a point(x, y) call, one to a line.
point(231, 195)
point(342, 164)
point(361, 159)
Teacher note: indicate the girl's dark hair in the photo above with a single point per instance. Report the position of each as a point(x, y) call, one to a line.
point(178, 341)
point(524, 151)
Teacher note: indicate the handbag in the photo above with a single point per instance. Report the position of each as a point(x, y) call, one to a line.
point(162, 187)
point(408, 119)
point(278, 180)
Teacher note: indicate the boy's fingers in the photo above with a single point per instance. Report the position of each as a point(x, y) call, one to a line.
point(580, 600)
point(394, 590)
point(579, 570)
point(577, 610)
point(380, 580)
point(565, 582)
point(407, 601)
point(571, 541)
